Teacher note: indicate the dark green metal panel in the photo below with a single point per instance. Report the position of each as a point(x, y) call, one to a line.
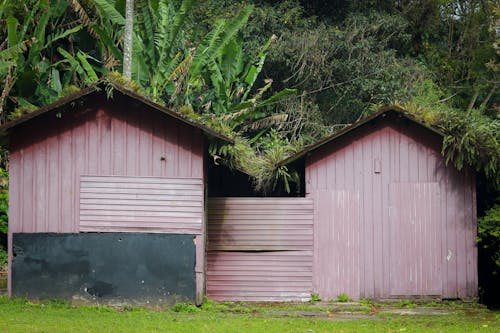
point(106, 267)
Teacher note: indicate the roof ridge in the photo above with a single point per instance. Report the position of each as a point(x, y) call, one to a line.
point(380, 113)
point(96, 87)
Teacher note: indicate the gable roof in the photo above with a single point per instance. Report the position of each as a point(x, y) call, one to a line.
point(95, 89)
point(381, 113)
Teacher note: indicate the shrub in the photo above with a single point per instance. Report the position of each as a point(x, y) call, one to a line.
point(3, 257)
point(489, 233)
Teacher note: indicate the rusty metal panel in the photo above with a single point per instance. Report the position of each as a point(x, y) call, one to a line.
point(415, 237)
point(337, 244)
point(260, 276)
point(141, 204)
point(260, 224)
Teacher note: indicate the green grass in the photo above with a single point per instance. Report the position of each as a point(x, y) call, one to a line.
point(19, 315)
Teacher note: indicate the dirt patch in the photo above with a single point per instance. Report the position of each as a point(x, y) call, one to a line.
point(335, 316)
point(419, 311)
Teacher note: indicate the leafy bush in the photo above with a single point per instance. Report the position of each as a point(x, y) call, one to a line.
point(4, 201)
point(3, 257)
point(489, 233)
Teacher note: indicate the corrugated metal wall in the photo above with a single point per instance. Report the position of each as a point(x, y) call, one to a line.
point(415, 233)
point(48, 156)
point(141, 204)
point(337, 243)
point(373, 162)
point(260, 249)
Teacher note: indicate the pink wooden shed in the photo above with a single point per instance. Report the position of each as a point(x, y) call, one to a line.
point(107, 200)
point(391, 219)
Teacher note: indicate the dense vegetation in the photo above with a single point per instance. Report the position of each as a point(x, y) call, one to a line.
point(275, 75)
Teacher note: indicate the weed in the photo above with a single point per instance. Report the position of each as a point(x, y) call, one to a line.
point(406, 304)
point(368, 302)
point(343, 298)
point(185, 307)
point(58, 303)
point(315, 298)
point(211, 305)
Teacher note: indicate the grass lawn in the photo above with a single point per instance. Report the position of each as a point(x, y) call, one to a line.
point(19, 315)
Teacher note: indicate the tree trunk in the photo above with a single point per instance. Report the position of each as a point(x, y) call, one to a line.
point(127, 47)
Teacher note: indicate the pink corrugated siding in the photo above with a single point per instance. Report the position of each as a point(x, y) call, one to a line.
point(260, 224)
point(48, 156)
point(260, 249)
point(265, 276)
point(337, 243)
point(369, 161)
point(415, 257)
point(141, 204)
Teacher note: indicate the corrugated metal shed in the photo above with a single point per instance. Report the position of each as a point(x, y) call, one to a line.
point(385, 199)
point(87, 163)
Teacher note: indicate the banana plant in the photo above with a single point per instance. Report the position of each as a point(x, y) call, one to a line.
point(233, 74)
point(34, 73)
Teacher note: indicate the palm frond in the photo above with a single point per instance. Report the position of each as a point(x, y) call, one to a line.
point(222, 34)
point(109, 11)
point(145, 28)
point(274, 120)
point(83, 17)
point(179, 20)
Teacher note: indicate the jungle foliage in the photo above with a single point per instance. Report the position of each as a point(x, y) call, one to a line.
point(303, 69)
point(274, 75)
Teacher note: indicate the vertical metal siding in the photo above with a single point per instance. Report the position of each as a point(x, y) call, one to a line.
point(49, 156)
point(337, 243)
point(406, 154)
point(260, 249)
point(415, 258)
point(141, 204)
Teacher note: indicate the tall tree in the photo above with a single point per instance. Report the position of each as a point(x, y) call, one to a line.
point(127, 47)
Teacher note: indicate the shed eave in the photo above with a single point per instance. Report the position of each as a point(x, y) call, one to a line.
point(382, 112)
point(4, 129)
